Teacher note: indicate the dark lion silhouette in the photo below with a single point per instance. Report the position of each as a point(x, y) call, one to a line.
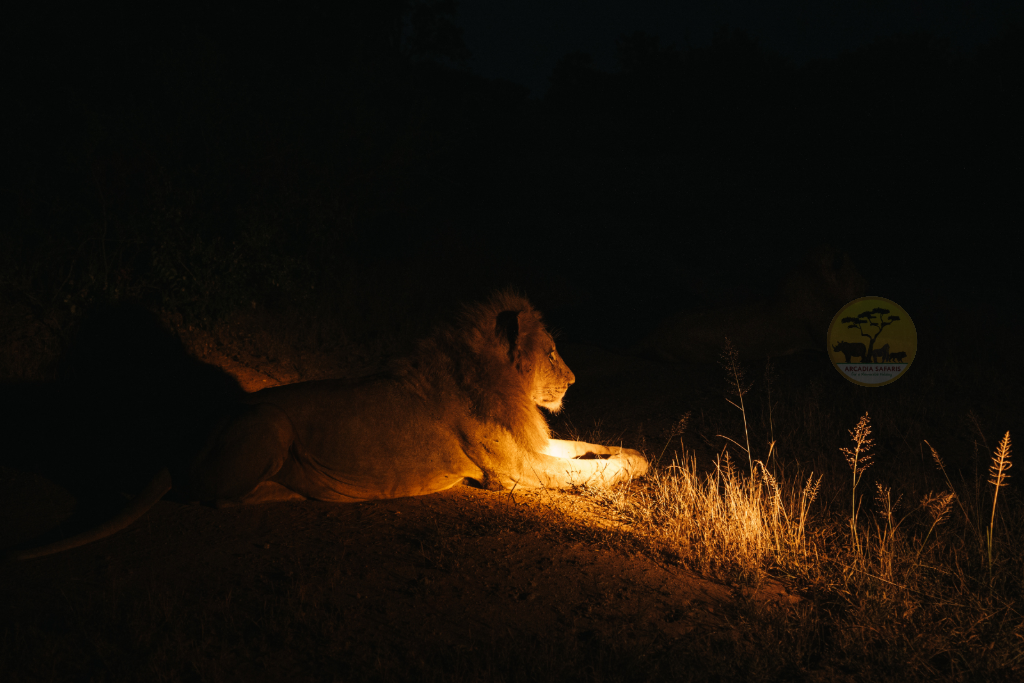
point(850, 349)
point(793, 318)
point(897, 357)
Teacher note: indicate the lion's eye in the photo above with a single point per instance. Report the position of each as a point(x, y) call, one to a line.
point(551, 356)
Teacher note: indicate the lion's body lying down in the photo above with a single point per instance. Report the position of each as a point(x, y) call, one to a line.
point(465, 405)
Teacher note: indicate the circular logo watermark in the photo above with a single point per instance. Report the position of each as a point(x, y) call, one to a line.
point(872, 341)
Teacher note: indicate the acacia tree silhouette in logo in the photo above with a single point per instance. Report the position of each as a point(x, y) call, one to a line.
point(867, 318)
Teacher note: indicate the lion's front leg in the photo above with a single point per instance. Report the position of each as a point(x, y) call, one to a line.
point(563, 464)
point(547, 471)
point(560, 448)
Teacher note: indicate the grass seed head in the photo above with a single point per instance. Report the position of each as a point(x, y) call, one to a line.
point(937, 458)
point(997, 471)
point(679, 427)
point(859, 457)
point(938, 506)
point(883, 499)
point(812, 487)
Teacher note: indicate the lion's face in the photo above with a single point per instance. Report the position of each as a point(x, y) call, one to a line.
point(551, 378)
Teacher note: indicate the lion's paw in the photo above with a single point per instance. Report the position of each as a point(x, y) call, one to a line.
point(632, 461)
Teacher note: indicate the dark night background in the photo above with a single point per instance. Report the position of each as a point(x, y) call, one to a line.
point(644, 156)
point(296, 190)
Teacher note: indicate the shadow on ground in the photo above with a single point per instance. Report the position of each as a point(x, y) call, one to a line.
point(127, 400)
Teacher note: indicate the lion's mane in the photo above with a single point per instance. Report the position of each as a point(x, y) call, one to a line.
point(487, 362)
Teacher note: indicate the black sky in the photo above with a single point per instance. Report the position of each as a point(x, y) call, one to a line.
point(521, 41)
point(701, 169)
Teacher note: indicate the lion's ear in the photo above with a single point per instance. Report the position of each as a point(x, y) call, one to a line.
point(506, 327)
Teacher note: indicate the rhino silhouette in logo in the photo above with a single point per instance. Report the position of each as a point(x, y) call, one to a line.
point(850, 349)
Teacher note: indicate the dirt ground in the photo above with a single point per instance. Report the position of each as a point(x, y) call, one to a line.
point(462, 585)
point(458, 569)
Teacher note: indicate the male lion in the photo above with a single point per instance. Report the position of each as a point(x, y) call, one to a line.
point(463, 406)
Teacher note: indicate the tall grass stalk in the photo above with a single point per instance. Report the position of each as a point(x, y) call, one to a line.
point(859, 458)
point(997, 472)
point(734, 376)
point(676, 430)
point(769, 379)
point(938, 507)
point(942, 468)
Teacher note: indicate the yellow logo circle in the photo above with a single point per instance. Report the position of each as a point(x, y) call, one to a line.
point(872, 341)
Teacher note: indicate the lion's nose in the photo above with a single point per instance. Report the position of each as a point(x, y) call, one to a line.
point(572, 379)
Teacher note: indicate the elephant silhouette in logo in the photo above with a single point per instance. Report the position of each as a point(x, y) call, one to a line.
point(882, 353)
point(850, 349)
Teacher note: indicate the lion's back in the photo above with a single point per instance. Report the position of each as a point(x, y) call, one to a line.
point(369, 438)
point(467, 400)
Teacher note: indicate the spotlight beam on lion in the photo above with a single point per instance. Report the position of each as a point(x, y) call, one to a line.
point(464, 406)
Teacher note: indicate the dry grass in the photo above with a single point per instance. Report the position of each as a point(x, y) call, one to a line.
point(723, 524)
point(901, 583)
